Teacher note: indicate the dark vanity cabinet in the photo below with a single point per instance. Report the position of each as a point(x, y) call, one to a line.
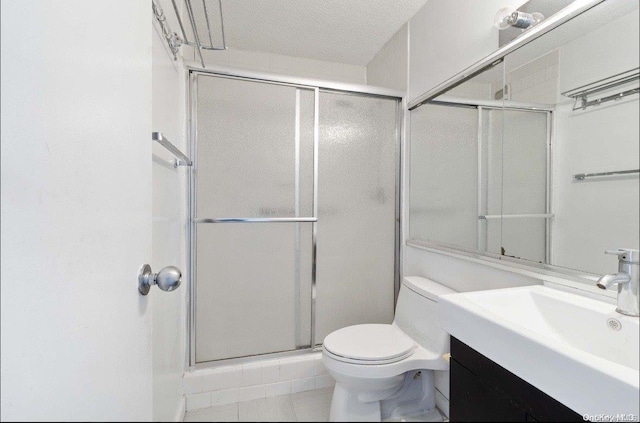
point(482, 391)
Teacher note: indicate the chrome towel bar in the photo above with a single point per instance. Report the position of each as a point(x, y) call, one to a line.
point(583, 176)
point(581, 94)
point(181, 160)
point(514, 216)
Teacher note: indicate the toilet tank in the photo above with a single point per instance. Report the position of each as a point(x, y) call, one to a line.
point(417, 313)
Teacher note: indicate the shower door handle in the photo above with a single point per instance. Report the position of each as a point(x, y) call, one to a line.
point(255, 219)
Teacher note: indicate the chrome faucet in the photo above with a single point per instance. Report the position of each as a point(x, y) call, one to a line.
point(626, 279)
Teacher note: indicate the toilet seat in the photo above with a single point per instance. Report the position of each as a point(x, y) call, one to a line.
point(372, 344)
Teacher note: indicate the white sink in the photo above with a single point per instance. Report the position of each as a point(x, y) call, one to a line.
point(564, 344)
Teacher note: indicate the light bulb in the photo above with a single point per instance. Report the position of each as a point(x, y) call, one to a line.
point(509, 17)
point(537, 18)
point(502, 19)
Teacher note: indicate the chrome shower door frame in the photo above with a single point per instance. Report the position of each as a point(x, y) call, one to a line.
point(480, 106)
point(300, 83)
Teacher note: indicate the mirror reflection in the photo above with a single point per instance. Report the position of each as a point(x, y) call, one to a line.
point(537, 158)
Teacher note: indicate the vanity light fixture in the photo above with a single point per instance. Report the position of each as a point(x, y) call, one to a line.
point(508, 17)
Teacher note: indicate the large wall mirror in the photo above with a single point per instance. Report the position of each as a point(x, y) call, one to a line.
point(535, 159)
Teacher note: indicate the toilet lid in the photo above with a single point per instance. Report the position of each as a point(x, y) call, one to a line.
point(369, 343)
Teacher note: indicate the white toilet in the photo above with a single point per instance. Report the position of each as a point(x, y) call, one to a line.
point(385, 372)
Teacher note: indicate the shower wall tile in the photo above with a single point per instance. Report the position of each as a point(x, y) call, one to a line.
point(238, 383)
point(552, 71)
point(516, 85)
point(325, 381)
point(309, 367)
point(196, 401)
point(536, 81)
point(525, 94)
point(226, 396)
point(211, 380)
point(251, 393)
point(288, 369)
point(302, 385)
point(270, 371)
point(305, 367)
point(192, 383)
point(231, 377)
point(276, 389)
point(251, 374)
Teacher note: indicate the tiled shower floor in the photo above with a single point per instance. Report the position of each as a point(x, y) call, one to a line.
point(309, 406)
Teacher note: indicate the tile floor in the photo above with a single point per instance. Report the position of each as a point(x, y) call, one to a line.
point(309, 406)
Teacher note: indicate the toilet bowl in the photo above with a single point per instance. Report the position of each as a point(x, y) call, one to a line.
point(385, 371)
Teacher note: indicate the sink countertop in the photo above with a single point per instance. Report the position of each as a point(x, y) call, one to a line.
point(564, 344)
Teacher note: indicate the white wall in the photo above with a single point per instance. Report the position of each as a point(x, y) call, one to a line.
point(285, 65)
point(597, 214)
point(76, 207)
point(460, 275)
point(169, 225)
point(447, 36)
point(389, 66)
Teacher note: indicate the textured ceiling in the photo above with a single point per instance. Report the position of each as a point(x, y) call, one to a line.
point(345, 31)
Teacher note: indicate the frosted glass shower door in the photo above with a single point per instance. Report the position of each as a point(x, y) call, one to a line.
point(444, 175)
point(357, 201)
point(253, 162)
point(524, 184)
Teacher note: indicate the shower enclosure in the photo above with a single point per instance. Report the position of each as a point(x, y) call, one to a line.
point(294, 218)
point(480, 177)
